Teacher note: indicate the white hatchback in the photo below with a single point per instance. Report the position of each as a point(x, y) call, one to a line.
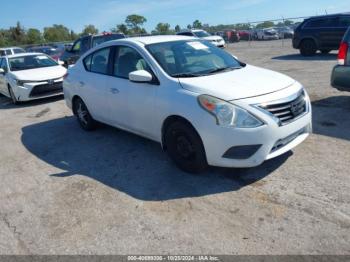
point(203, 105)
point(30, 76)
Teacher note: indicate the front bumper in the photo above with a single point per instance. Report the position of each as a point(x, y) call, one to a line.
point(38, 90)
point(221, 44)
point(270, 140)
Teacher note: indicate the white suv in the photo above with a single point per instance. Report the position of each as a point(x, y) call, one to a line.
point(214, 39)
point(203, 105)
point(11, 51)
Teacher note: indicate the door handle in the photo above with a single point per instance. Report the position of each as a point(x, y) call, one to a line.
point(114, 90)
point(82, 83)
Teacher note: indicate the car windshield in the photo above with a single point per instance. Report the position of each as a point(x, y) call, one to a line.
point(30, 62)
point(188, 58)
point(201, 34)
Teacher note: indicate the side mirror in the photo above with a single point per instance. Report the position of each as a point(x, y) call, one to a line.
point(2, 71)
point(61, 63)
point(140, 76)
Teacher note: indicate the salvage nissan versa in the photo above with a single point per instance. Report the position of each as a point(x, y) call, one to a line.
point(203, 105)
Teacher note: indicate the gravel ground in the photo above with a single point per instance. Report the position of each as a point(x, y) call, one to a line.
point(65, 191)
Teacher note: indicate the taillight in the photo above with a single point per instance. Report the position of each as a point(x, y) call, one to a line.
point(343, 51)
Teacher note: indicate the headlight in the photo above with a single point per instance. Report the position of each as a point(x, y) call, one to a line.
point(227, 114)
point(20, 82)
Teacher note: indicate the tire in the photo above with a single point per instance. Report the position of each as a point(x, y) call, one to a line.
point(185, 147)
point(13, 97)
point(308, 48)
point(83, 115)
point(325, 51)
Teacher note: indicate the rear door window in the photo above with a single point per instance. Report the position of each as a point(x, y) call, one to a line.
point(18, 51)
point(322, 23)
point(344, 21)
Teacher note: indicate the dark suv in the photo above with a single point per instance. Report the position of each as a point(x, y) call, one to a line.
point(85, 43)
point(322, 33)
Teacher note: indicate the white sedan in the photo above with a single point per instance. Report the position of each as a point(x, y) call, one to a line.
point(30, 76)
point(204, 106)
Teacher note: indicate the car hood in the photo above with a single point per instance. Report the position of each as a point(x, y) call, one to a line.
point(249, 81)
point(40, 74)
point(213, 38)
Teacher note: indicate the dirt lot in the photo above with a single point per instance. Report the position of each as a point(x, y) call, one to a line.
point(64, 191)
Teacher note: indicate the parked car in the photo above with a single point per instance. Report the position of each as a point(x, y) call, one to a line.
point(199, 33)
point(85, 43)
point(267, 34)
point(322, 33)
point(284, 32)
point(11, 51)
point(341, 73)
point(30, 76)
point(203, 105)
point(49, 50)
point(232, 36)
point(245, 35)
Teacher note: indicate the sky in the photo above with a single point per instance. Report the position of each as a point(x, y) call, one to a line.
point(106, 14)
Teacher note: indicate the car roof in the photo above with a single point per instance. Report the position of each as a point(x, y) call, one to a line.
point(147, 40)
point(11, 47)
point(23, 54)
point(330, 15)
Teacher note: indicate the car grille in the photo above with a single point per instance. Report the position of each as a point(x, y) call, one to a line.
point(285, 141)
point(47, 89)
point(287, 112)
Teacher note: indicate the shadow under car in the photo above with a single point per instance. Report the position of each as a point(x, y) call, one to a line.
point(129, 163)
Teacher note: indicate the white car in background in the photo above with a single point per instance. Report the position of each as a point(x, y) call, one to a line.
point(203, 105)
point(267, 34)
point(11, 51)
point(30, 76)
point(214, 39)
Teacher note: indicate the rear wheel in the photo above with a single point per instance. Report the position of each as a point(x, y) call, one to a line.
point(185, 147)
point(84, 118)
point(308, 48)
point(13, 96)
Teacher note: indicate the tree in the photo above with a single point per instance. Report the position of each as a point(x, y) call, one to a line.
point(90, 29)
point(163, 28)
point(73, 36)
point(197, 24)
point(17, 34)
point(189, 26)
point(177, 28)
point(135, 23)
point(122, 28)
point(57, 33)
point(265, 24)
point(288, 22)
point(34, 36)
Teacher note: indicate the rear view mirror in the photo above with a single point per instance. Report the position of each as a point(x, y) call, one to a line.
point(140, 76)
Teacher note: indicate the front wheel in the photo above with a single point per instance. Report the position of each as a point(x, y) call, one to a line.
point(185, 147)
point(83, 115)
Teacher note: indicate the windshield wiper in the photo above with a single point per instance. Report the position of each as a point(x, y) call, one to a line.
point(222, 69)
point(180, 75)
